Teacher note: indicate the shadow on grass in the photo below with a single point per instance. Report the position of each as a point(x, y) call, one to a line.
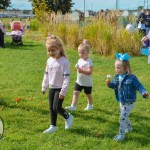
point(4, 104)
point(87, 132)
point(25, 46)
point(90, 115)
point(141, 131)
point(139, 135)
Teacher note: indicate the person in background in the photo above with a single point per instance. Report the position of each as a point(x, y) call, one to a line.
point(28, 24)
point(57, 77)
point(125, 85)
point(141, 23)
point(2, 33)
point(145, 41)
point(84, 77)
point(147, 23)
point(130, 28)
point(11, 22)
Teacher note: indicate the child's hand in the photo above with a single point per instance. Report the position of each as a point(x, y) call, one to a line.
point(108, 79)
point(80, 70)
point(108, 82)
point(61, 96)
point(146, 95)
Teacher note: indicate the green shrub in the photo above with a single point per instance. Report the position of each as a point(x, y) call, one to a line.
point(34, 25)
point(105, 36)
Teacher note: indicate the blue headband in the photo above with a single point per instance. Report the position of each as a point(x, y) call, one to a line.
point(122, 57)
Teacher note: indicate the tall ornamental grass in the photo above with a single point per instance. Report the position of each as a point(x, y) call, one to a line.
point(105, 36)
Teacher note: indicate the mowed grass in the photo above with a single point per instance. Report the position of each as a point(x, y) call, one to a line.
point(21, 74)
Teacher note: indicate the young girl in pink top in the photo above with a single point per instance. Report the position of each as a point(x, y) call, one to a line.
point(57, 77)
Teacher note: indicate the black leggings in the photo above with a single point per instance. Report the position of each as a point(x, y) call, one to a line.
point(55, 105)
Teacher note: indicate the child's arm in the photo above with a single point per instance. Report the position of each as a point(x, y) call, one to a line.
point(86, 72)
point(45, 81)
point(110, 84)
point(138, 86)
point(66, 81)
point(64, 86)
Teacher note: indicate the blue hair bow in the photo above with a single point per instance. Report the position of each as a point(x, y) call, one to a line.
point(122, 57)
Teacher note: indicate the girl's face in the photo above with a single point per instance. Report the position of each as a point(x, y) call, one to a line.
point(54, 52)
point(83, 53)
point(119, 68)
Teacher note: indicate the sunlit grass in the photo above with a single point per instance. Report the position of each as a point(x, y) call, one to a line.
point(22, 68)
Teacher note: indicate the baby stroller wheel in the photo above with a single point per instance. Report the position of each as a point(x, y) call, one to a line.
point(21, 43)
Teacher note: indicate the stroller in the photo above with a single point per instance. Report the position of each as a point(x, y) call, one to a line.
point(17, 32)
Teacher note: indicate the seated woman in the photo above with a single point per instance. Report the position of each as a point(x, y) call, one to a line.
point(145, 41)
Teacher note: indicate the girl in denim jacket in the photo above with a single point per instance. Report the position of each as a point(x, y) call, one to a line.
point(125, 85)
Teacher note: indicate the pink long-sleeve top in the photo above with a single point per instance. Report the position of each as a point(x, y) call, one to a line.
point(57, 75)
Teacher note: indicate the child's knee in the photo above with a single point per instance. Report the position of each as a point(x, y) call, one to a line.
point(76, 93)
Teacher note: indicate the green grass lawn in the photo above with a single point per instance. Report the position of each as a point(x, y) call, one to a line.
point(21, 74)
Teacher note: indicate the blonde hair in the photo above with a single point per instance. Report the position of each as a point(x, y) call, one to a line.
point(126, 66)
point(55, 41)
point(85, 45)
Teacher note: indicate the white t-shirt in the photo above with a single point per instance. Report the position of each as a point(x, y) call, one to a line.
point(82, 79)
point(141, 25)
point(130, 27)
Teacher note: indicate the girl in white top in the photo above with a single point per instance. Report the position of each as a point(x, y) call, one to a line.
point(57, 77)
point(84, 77)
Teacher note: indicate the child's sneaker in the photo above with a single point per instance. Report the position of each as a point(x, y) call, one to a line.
point(128, 129)
point(71, 108)
point(51, 129)
point(89, 107)
point(69, 122)
point(119, 137)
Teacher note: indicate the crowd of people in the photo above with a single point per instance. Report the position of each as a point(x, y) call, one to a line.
point(143, 22)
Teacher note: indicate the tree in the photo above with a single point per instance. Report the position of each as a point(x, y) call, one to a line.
point(4, 4)
point(140, 7)
point(54, 5)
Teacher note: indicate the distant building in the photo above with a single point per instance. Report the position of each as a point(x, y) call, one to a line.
point(126, 13)
point(90, 13)
point(16, 14)
point(77, 15)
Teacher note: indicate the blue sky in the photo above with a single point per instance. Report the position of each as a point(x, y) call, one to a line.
point(90, 4)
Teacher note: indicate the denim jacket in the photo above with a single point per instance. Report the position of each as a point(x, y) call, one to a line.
point(128, 87)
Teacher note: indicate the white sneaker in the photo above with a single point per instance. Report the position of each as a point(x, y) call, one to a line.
point(128, 130)
point(51, 129)
point(119, 137)
point(71, 108)
point(69, 122)
point(89, 107)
